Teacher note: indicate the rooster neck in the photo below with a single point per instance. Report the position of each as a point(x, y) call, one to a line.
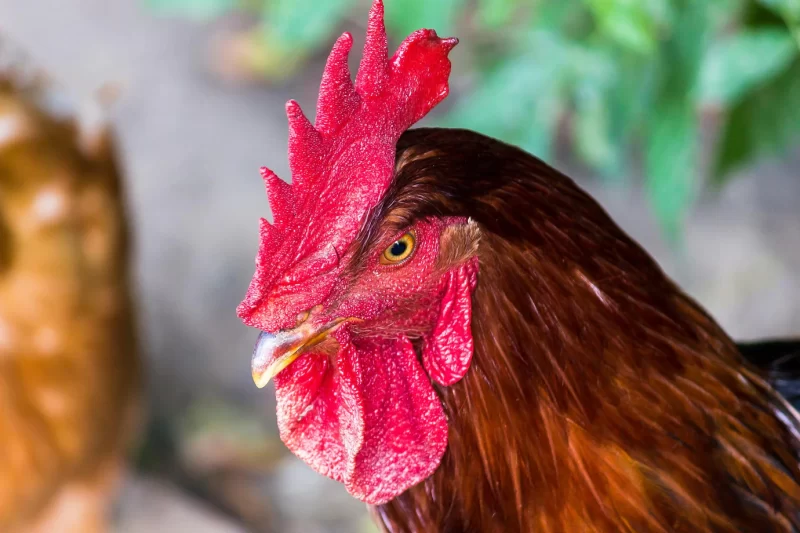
point(600, 397)
point(587, 409)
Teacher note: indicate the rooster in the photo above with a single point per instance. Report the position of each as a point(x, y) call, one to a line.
point(465, 339)
point(68, 366)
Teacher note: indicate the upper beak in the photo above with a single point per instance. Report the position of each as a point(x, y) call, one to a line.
point(274, 352)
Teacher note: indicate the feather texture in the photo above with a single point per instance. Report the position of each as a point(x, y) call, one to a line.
point(600, 396)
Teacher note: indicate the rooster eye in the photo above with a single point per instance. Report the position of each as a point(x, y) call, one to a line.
point(399, 250)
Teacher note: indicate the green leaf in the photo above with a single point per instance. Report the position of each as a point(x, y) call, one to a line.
point(538, 134)
point(627, 22)
point(766, 122)
point(670, 150)
point(559, 16)
point(783, 7)
point(594, 75)
point(521, 99)
point(195, 9)
point(670, 162)
point(301, 25)
point(406, 16)
point(742, 61)
point(789, 10)
point(682, 53)
point(593, 131)
point(494, 13)
point(628, 102)
point(727, 14)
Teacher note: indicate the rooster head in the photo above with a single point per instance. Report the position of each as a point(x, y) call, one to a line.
point(360, 315)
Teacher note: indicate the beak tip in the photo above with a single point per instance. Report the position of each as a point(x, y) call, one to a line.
point(274, 352)
point(261, 380)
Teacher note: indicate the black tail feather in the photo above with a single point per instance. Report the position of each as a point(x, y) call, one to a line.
point(780, 359)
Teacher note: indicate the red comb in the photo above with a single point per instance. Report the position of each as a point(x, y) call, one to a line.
point(342, 165)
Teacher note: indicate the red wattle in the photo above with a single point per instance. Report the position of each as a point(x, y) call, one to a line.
point(448, 349)
point(374, 423)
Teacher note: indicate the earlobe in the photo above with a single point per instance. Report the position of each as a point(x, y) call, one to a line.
point(458, 243)
point(448, 349)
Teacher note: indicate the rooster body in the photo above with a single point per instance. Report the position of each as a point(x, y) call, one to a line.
point(68, 368)
point(464, 338)
point(600, 397)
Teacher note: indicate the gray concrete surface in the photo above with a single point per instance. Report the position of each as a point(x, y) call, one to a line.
point(150, 505)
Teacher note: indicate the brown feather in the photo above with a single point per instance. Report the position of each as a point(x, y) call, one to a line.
point(600, 397)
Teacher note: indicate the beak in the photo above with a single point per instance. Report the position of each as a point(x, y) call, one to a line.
point(274, 352)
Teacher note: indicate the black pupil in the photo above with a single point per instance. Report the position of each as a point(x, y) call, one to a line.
point(398, 248)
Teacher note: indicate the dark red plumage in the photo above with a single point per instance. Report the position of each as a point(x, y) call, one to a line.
point(600, 397)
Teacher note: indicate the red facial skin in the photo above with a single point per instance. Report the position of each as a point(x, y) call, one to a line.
point(368, 415)
point(361, 409)
point(341, 166)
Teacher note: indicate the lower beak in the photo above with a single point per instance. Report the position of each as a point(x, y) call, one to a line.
point(274, 352)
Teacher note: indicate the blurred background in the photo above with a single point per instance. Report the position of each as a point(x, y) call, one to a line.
point(681, 116)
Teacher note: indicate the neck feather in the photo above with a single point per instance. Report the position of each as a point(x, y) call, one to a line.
point(600, 400)
point(600, 397)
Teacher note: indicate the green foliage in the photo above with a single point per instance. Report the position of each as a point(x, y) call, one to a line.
point(766, 123)
point(196, 9)
point(739, 63)
point(630, 23)
point(670, 161)
point(789, 10)
point(621, 74)
point(495, 13)
point(406, 16)
point(302, 24)
point(671, 141)
point(494, 107)
point(291, 30)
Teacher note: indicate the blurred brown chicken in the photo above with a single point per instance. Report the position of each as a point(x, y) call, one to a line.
point(68, 366)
